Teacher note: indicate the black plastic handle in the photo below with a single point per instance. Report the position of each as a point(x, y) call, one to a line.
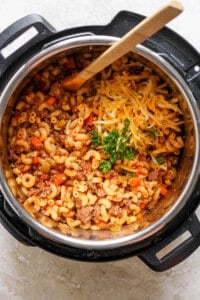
point(13, 224)
point(15, 30)
point(179, 253)
point(174, 47)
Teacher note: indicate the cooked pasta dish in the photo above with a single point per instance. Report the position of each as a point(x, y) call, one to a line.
point(99, 158)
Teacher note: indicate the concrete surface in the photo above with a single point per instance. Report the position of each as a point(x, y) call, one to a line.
point(28, 273)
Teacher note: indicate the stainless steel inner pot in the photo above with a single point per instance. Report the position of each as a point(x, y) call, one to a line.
point(189, 169)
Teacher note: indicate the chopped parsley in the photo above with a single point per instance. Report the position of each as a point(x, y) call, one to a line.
point(114, 145)
point(96, 139)
point(105, 166)
point(126, 126)
point(110, 142)
point(160, 159)
point(153, 131)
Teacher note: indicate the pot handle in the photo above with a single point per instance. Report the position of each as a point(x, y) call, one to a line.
point(32, 27)
point(179, 253)
point(8, 219)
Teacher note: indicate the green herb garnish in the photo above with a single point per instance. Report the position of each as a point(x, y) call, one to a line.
point(126, 126)
point(114, 145)
point(105, 166)
point(110, 142)
point(96, 139)
point(153, 132)
point(128, 154)
point(160, 159)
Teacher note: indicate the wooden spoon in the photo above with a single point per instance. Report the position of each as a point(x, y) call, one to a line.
point(138, 34)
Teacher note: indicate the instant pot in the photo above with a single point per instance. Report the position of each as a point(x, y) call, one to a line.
point(176, 59)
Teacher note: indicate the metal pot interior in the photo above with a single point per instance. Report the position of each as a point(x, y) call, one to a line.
point(186, 178)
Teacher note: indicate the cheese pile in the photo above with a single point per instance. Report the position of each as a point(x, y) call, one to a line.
point(140, 99)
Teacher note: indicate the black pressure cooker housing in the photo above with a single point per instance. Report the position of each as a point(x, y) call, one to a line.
point(186, 60)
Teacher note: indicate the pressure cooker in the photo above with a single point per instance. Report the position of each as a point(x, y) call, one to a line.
point(179, 62)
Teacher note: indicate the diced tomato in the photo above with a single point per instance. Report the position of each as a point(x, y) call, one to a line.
point(163, 190)
point(142, 158)
point(89, 120)
point(59, 178)
point(134, 182)
point(140, 216)
point(102, 225)
point(143, 205)
point(36, 160)
point(138, 171)
point(36, 143)
point(51, 101)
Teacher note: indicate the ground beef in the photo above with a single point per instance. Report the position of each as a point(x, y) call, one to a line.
point(56, 90)
point(78, 202)
point(153, 175)
point(59, 137)
point(92, 187)
point(84, 169)
point(84, 214)
point(44, 114)
point(13, 156)
point(96, 211)
point(42, 83)
point(101, 192)
point(116, 211)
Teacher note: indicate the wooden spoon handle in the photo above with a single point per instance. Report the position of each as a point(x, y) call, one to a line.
point(138, 34)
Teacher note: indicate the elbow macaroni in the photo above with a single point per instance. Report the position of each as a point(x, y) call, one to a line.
point(57, 169)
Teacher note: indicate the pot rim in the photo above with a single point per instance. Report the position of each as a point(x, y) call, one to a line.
point(58, 46)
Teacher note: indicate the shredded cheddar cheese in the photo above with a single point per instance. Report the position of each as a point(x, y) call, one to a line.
point(144, 105)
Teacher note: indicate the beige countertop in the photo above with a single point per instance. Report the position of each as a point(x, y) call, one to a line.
point(28, 273)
